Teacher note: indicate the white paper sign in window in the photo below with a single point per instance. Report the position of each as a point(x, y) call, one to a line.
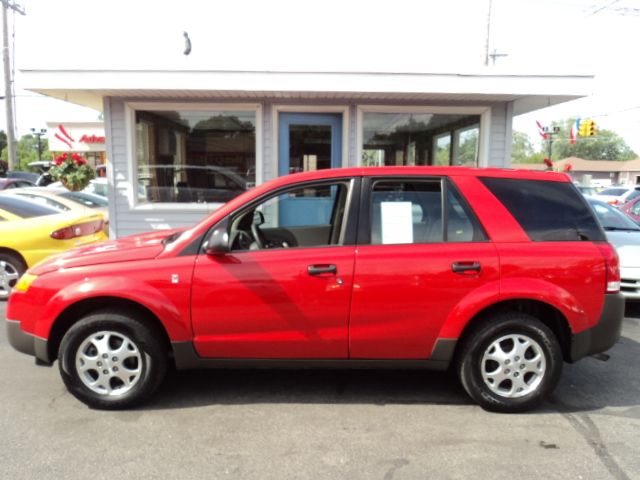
point(397, 224)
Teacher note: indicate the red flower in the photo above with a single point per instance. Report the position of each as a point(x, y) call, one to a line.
point(568, 167)
point(548, 163)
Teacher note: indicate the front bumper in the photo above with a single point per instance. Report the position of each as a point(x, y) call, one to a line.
point(604, 334)
point(27, 343)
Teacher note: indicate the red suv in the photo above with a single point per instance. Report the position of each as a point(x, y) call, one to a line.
point(502, 275)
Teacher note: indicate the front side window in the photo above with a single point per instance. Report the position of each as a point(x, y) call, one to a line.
point(190, 156)
point(309, 216)
point(414, 212)
point(419, 139)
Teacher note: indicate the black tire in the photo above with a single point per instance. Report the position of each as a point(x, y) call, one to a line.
point(12, 267)
point(135, 354)
point(538, 364)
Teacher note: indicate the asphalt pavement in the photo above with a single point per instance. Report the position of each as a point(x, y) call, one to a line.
point(323, 424)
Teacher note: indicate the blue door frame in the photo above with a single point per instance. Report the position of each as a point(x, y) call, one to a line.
point(334, 120)
point(297, 211)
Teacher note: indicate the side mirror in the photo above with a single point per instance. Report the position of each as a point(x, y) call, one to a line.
point(217, 242)
point(258, 218)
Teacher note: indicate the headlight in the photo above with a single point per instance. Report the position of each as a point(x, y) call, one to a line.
point(25, 282)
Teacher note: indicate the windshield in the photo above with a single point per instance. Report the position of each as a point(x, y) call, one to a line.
point(611, 218)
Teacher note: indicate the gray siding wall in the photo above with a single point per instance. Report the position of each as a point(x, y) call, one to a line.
point(500, 135)
point(125, 220)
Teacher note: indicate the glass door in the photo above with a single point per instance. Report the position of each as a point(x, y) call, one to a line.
point(309, 141)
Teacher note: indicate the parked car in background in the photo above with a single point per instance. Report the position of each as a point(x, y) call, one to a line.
point(624, 235)
point(30, 232)
point(9, 183)
point(618, 195)
point(98, 186)
point(587, 189)
point(30, 176)
point(190, 183)
point(632, 209)
point(407, 266)
point(65, 200)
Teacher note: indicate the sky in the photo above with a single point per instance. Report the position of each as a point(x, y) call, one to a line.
point(537, 36)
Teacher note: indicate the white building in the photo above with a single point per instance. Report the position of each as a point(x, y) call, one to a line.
point(181, 141)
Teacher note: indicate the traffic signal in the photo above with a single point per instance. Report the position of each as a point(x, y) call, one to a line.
point(584, 128)
point(587, 128)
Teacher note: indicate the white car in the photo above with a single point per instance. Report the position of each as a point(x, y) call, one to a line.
point(618, 195)
point(624, 234)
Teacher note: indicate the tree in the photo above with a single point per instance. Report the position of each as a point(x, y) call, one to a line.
point(605, 145)
point(3, 140)
point(522, 149)
point(27, 150)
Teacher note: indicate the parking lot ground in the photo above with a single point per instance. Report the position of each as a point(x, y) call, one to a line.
point(323, 424)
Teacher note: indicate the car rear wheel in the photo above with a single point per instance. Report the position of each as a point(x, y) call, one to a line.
point(111, 360)
point(11, 269)
point(510, 363)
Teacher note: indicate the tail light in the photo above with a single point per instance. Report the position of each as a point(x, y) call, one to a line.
point(612, 267)
point(77, 230)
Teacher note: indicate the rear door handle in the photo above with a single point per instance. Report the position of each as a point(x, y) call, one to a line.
point(320, 269)
point(465, 267)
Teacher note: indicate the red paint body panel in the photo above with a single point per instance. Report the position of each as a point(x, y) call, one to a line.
point(568, 275)
point(265, 304)
point(145, 282)
point(403, 294)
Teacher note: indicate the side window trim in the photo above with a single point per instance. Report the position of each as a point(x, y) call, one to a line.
point(446, 185)
point(349, 222)
point(366, 195)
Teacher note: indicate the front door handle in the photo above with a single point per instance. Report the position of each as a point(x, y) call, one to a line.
point(320, 269)
point(465, 267)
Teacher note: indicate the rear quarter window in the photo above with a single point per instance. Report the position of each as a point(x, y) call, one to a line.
point(547, 211)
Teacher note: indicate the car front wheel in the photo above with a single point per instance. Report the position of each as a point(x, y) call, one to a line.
point(111, 360)
point(510, 363)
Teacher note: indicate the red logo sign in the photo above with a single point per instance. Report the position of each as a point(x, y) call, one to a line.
point(91, 139)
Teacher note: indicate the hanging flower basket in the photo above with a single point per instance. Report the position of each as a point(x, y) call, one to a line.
point(73, 171)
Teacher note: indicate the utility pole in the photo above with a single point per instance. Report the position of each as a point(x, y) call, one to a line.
point(488, 39)
point(8, 81)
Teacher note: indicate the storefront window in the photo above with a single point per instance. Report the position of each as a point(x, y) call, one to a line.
point(194, 156)
point(419, 139)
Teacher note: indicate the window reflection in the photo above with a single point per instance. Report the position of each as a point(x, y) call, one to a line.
point(419, 139)
point(194, 156)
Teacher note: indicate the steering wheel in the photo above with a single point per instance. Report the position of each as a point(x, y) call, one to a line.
point(258, 236)
point(241, 240)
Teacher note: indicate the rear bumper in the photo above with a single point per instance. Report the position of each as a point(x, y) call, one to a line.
point(604, 334)
point(27, 343)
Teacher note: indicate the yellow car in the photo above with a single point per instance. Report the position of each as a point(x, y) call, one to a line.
point(30, 232)
point(64, 200)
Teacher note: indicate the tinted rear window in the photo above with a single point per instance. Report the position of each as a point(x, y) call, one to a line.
point(547, 211)
point(25, 208)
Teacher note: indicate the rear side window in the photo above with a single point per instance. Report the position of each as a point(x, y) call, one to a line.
point(547, 211)
point(426, 211)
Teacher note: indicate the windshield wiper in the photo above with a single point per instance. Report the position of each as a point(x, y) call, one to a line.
point(621, 229)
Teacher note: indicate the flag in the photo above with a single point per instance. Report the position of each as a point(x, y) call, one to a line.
point(573, 134)
point(541, 131)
